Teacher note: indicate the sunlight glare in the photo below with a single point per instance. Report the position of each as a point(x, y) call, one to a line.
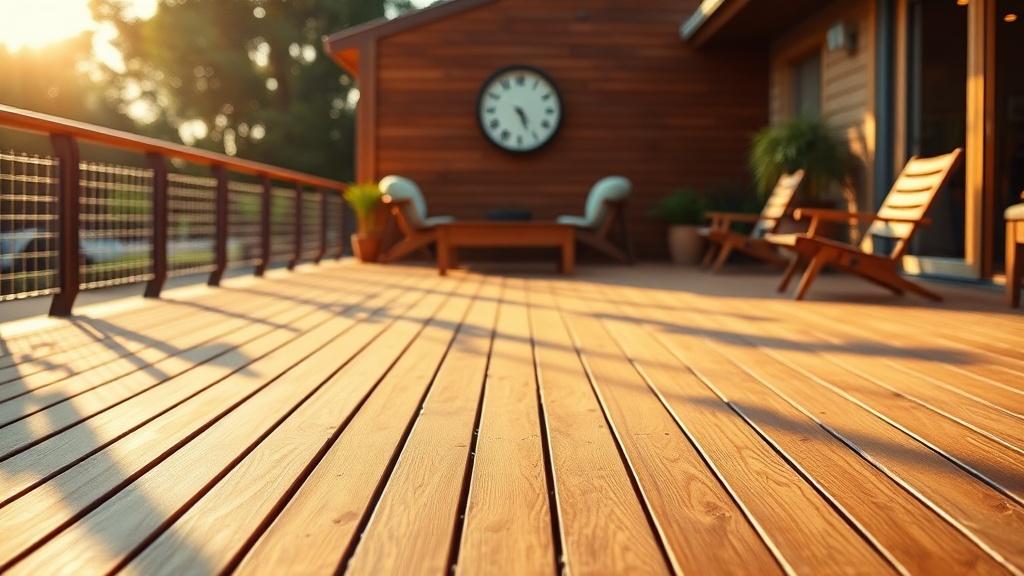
point(37, 23)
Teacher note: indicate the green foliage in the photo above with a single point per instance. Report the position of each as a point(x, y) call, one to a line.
point(799, 144)
point(683, 207)
point(365, 200)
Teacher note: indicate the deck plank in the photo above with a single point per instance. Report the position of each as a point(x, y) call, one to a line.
point(604, 527)
point(262, 394)
point(508, 518)
point(415, 520)
point(221, 523)
point(323, 517)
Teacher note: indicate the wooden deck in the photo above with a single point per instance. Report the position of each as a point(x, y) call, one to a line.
point(383, 420)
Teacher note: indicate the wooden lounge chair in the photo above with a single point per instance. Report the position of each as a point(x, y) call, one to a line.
point(405, 202)
point(723, 240)
point(902, 212)
point(603, 217)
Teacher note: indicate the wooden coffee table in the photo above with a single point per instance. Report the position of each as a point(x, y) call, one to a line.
point(487, 234)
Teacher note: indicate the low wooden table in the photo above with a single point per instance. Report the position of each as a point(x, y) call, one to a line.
point(486, 234)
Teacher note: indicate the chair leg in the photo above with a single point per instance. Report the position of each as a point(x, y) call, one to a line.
point(709, 255)
point(919, 290)
point(791, 270)
point(1014, 263)
point(723, 255)
point(817, 262)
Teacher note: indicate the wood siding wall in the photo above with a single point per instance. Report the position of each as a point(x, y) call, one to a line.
point(637, 102)
point(848, 88)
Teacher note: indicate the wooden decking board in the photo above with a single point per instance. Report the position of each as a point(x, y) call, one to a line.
point(165, 487)
point(604, 525)
point(647, 419)
point(331, 507)
point(38, 463)
point(225, 519)
point(795, 517)
point(855, 485)
point(699, 522)
point(508, 524)
point(38, 426)
point(414, 523)
point(131, 455)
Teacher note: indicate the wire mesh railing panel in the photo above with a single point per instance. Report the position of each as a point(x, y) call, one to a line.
point(244, 205)
point(312, 225)
point(115, 224)
point(191, 223)
point(28, 225)
point(282, 224)
point(335, 225)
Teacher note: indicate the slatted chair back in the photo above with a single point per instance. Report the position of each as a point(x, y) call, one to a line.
point(779, 204)
point(908, 201)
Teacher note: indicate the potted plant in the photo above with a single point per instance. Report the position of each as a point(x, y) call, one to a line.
point(803, 144)
point(684, 211)
point(365, 200)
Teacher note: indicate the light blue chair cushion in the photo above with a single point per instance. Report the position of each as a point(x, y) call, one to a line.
point(1015, 212)
point(401, 188)
point(608, 189)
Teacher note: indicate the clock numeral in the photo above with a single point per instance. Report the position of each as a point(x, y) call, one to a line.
point(519, 139)
point(549, 110)
point(536, 82)
point(535, 137)
point(505, 135)
point(545, 124)
point(546, 97)
point(494, 124)
point(520, 80)
point(506, 84)
point(494, 96)
point(491, 109)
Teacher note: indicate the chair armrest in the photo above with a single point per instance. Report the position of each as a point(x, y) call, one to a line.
point(841, 216)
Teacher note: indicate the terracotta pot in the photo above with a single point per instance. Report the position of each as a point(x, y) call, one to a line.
point(366, 247)
point(685, 244)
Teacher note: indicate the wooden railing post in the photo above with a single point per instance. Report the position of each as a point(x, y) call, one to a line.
point(261, 268)
point(297, 254)
point(220, 242)
point(323, 226)
point(66, 150)
point(341, 231)
point(158, 164)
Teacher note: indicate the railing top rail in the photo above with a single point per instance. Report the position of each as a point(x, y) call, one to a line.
point(26, 120)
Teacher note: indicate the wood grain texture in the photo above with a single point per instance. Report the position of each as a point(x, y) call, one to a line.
point(412, 528)
point(508, 518)
point(647, 419)
point(638, 102)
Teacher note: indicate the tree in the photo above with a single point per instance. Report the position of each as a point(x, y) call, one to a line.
point(246, 77)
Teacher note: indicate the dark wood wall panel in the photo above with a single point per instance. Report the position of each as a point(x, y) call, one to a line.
point(637, 102)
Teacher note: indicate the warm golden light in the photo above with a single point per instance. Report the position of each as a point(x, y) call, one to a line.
point(961, 2)
point(1011, 17)
point(36, 23)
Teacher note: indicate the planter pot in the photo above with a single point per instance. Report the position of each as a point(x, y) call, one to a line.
point(685, 244)
point(366, 247)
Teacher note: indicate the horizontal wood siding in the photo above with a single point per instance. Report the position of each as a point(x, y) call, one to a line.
point(637, 101)
point(847, 82)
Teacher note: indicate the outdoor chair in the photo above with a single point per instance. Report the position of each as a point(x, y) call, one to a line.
point(902, 212)
point(604, 216)
point(408, 208)
point(723, 240)
point(1014, 252)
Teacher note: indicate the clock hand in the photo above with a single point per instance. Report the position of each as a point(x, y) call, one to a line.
point(522, 116)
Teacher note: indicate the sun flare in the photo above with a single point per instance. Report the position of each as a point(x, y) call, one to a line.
point(37, 23)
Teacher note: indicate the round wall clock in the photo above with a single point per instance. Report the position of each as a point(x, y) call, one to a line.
point(520, 109)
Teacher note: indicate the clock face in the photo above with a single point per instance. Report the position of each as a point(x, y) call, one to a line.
point(520, 109)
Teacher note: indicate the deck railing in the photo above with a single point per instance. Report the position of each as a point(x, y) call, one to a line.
point(67, 224)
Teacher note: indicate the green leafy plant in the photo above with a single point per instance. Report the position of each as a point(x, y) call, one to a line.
point(805, 144)
point(684, 207)
point(365, 200)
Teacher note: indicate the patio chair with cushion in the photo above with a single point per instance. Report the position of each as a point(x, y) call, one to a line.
point(723, 240)
point(603, 216)
point(902, 212)
point(408, 207)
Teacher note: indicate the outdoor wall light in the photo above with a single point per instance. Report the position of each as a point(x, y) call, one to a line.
point(841, 37)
